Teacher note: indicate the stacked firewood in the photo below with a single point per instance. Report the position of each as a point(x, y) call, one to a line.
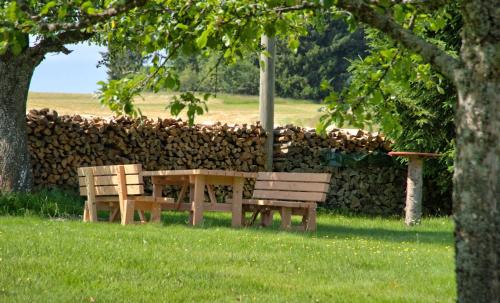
point(296, 147)
point(61, 144)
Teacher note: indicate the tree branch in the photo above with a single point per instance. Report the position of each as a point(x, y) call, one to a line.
point(443, 62)
point(427, 4)
point(87, 20)
point(67, 33)
point(299, 7)
point(56, 44)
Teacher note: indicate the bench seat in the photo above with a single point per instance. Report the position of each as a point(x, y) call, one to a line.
point(118, 189)
point(290, 194)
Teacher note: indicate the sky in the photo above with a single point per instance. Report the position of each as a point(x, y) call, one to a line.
point(73, 73)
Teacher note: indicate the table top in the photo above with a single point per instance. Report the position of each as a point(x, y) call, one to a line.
point(413, 154)
point(205, 172)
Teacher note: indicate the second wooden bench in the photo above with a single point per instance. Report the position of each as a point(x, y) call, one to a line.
point(290, 194)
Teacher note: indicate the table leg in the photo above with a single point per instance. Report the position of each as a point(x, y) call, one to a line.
point(199, 197)
point(157, 188)
point(191, 201)
point(413, 207)
point(237, 202)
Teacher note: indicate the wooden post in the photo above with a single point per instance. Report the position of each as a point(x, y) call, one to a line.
point(237, 211)
point(413, 207)
point(266, 98)
point(91, 203)
point(286, 218)
point(199, 197)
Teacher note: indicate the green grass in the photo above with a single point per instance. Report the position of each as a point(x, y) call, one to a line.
point(349, 259)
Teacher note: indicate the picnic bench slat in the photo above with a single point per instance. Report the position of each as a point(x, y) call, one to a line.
point(299, 177)
point(287, 195)
point(109, 190)
point(279, 203)
point(111, 170)
point(113, 180)
point(292, 186)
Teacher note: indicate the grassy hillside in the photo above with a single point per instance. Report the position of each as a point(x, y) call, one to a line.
point(348, 260)
point(224, 108)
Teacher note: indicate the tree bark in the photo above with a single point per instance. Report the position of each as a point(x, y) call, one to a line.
point(477, 172)
point(15, 166)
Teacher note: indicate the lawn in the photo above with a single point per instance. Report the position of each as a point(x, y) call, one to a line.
point(224, 108)
point(349, 259)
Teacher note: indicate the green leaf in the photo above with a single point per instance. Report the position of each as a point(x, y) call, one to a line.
point(46, 8)
point(201, 41)
point(3, 47)
point(62, 12)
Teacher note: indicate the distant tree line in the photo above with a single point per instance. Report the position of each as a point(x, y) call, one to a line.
point(322, 55)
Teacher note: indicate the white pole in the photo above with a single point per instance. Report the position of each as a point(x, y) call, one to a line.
point(266, 98)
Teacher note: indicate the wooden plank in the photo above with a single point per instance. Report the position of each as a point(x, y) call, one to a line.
point(205, 172)
point(286, 218)
point(289, 195)
point(113, 190)
point(237, 202)
point(293, 186)
point(111, 169)
point(183, 192)
point(278, 203)
point(169, 180)
point(199, 197)
point(266, 218)
point(211, 193)
point(113, 180)
point(310, 224)
point(300, 177)
point(128, 213)
point(218, 207)
point(122, 188)
point(90, 192)
point(110, 199)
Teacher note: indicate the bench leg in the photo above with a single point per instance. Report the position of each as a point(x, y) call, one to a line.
point(309, 219)
point(113, 214)
point(156, 213)
point(128, 213)
point(286, 218)
point(142, 216)
point(266, 218)
point(86, 215)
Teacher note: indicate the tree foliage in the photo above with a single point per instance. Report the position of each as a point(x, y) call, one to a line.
point(412, 103)
point(302, 63)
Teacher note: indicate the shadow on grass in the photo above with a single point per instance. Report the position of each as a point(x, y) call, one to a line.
point(327, 231)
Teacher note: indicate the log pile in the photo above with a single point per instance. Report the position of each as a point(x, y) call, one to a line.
point(368, 190)
point(296, 147)
point(61, 144)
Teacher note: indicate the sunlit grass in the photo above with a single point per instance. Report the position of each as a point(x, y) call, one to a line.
point(223, 107)
point(349, 259)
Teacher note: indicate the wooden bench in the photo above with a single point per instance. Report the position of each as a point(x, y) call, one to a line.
point(290, 194)
point(118, 189)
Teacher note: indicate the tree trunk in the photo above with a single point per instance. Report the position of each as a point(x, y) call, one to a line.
point(477, 174)
point(15, 166)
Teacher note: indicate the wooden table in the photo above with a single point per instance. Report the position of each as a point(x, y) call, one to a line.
point(198, 180)
point(413, 209)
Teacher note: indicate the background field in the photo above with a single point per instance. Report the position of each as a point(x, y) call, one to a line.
point(225, 108)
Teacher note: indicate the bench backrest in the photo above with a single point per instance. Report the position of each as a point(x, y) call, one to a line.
point(305, 187)
point(105, 180)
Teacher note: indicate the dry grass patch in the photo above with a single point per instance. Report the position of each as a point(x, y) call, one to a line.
point(224, 108)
